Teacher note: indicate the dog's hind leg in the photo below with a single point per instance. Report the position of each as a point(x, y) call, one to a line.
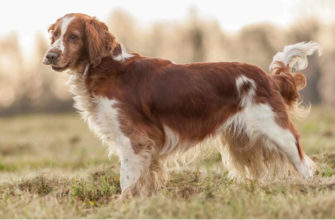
point(288, 143)
point(280, 131)
point(258, 133)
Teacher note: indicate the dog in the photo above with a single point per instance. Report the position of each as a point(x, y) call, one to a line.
point(147, 109)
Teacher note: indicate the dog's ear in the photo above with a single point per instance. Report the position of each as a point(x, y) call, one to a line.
point(52, 28)
point(99, 41)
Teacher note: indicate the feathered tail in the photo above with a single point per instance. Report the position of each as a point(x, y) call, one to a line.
point(295, 56)
point(283, 68)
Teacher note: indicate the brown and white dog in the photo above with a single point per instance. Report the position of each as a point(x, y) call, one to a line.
point(147, 108)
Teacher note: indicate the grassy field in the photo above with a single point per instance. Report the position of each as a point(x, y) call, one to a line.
point(52, 166)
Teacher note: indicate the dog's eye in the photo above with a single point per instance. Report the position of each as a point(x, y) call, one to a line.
point(73, 37)
point(55, 34)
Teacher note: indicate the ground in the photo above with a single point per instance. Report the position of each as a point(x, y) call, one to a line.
point(52, 166)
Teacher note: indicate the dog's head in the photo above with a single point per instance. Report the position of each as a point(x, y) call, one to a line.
point(78, 39)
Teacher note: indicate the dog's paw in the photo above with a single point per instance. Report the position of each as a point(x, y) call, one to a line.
point(307, 167)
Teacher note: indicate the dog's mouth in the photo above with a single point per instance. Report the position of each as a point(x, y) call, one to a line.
point(60, 69)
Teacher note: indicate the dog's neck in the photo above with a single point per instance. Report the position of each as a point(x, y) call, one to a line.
point(86, 79)
point(118, 54)
point(79, 68)
point(83, 99)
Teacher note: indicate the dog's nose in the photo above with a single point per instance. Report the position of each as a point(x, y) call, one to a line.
point(52, 57)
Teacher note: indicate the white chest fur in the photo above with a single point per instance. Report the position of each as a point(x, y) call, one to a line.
point(100, 113)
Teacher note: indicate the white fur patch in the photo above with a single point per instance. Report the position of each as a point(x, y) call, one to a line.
point(253, 121)
point(173, 142)
point(123, 55)
point(246, 99)
point(59, 43)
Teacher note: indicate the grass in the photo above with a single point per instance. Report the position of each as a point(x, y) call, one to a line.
point(51, 166)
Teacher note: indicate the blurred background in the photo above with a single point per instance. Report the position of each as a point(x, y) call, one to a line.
point(182, 31)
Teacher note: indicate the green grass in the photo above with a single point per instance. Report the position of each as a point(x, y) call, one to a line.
point(52, 166)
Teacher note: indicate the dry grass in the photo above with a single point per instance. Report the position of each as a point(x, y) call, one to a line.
point(51, 166)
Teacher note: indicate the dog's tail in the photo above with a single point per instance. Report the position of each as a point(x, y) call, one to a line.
point(284, 66)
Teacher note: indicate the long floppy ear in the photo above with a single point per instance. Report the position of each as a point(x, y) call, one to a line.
point(53, 26)
point(99, 42)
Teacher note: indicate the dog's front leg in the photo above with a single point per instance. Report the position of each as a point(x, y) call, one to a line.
point(141, 172)
point(132, 167)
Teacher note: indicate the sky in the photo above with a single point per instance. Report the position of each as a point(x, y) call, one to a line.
point(29, 17)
